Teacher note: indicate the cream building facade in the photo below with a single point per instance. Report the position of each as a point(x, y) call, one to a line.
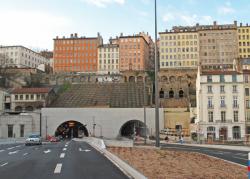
point(179, 49)
point(108, 59)
point(220, 106)
point(20, 57)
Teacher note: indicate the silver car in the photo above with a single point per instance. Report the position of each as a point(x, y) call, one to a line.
point(33, 139)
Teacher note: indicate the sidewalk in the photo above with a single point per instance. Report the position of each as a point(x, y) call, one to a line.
point(227, 147)
point(11, 141)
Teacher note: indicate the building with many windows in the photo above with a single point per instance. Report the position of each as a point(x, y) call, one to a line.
point(244, 40)
point(179, 49)
point(220, 105)
point(76, 54)
point(108, 59)
point(21, 57)
point(134, 53)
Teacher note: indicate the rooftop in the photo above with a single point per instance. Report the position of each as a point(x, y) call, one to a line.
point(31, 90)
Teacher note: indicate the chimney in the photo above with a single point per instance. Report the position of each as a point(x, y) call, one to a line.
point(63, 37)
point(247, 24)
point(215, 23)
point(235, 23)
point(75, 35)
point(197, 25)
point(241, 24)
point(121, 34)
point(71, 35)
point(57, 37)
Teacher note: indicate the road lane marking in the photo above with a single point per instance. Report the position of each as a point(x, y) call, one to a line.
point(4, 164)
point(58, 168)
point(25, 154)
point(10, 148)
point(2, 150)
point(18, 146)
point(66, 145)
point(64, 149)
point(86, 150)
point(240, 158)
point(241, 154)
point(10, 153)
point(62, 155)
point(47, 151)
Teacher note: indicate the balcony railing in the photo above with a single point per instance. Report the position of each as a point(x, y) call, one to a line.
point(223, 121)
point(223, 105)
point(210, 106)
point(235, 106)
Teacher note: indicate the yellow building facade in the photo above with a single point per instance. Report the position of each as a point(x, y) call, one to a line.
point(179, 49)
point(244, 41)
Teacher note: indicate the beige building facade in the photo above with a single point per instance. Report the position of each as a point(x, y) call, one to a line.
point(108, 59)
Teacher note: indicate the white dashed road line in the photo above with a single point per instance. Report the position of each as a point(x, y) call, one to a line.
point(4, 164)
point(47, 151)
point(241, 158)
point(10, 148)
point(25, 154)
point(10, 153)
point(58, 168)
point(2, 150)
point(241, 154)
point(62, 155)
point(64, 149)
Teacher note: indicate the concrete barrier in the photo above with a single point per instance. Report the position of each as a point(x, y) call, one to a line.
point(122, 143)
point(12, 141)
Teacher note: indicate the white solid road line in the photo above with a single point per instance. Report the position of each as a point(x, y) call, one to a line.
point(25, 154)
point(240, 158)
point(58, 168)
point(10, 153)
point(241, 154)
point(2, 150)
point(4, 164)
point(62, 155)
point(64, 149)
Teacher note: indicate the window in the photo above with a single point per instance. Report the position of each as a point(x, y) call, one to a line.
point(248, 116)
point(27, 97)
point(234, 78)
point(210, 102)
point(236, 116)
point(234, 89)
point(222, 101)
point(247, 104)
point(235, 101)
point(222, 78)
point(236, 132)
point(10, 131)
point(223, 116)
point(209, 79)
point(222, 89)
point(32, 97)
point(247, 91)
point(21, 130)
point(209, 89)
point(210, 116)
point(43, 96)
point(21, 97)
point(16, 97)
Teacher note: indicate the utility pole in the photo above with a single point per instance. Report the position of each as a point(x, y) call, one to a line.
point(144, 106)
point(157, 137)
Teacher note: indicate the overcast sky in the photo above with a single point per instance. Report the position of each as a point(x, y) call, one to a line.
point(34, 23)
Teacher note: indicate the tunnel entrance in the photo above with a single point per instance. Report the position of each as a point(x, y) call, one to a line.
point(71, 129)
point(133, 128)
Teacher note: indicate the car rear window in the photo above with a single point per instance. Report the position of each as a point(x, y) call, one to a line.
point(34, 136)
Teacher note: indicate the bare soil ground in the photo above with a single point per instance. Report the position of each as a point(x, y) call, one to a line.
point(167, 164)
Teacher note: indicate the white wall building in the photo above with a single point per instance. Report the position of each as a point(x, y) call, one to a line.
point(108, 59)
point(220, 105)
point(20, 56)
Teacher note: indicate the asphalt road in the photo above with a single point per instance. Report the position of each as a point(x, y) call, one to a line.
point(63, 160)
point(238, 157)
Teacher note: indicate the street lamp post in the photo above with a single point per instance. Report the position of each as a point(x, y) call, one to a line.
point(145, 118)
point(157, 137)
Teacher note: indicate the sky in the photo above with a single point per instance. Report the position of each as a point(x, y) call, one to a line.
point(34, 23)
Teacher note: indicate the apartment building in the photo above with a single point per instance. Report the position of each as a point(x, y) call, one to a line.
point(134, 53)
point(179, 49)
point(76, 54)
point(220, 105)
point(108, 59)
point(244, 40)
point(21, 57)
point(246, 74)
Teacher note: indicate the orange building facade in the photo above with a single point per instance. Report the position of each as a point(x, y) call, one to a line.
point(134, 53)
point(76, 54)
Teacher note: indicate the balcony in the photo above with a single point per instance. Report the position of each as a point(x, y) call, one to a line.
point(224, 121)
point(235, 106)
point(223, 106)
point(210, 106)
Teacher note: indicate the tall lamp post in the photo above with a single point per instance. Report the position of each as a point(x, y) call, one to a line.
point(157, 137)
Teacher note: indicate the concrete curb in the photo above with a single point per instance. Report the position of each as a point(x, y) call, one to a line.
point(239, 148)
point(99, 145)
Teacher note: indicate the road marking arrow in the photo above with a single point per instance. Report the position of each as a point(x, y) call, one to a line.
point(64, 149)
point(47, 151)
point(10, 148)
point(4, 164)
point(62, 155)
point(86, 150)
point(10, 153)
